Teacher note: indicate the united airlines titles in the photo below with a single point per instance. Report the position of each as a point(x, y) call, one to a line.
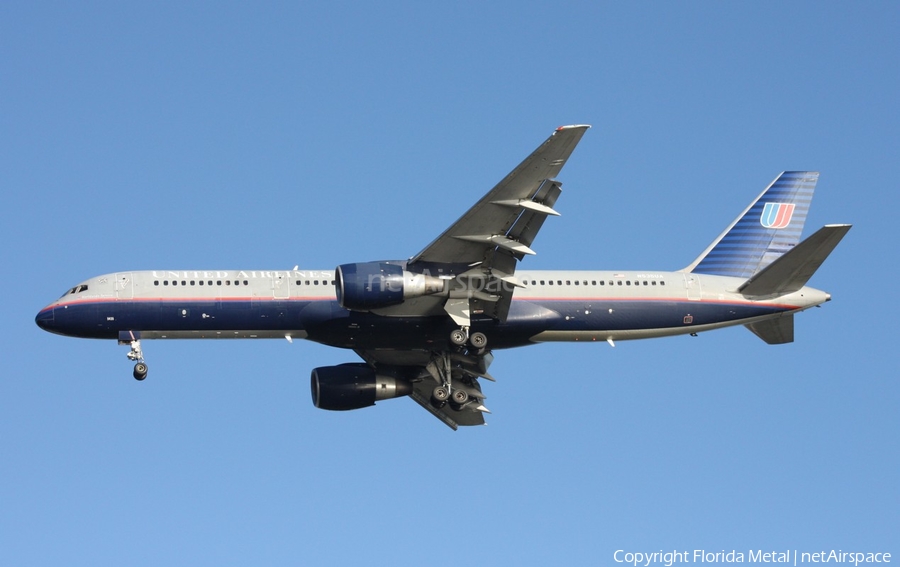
point(243, 274)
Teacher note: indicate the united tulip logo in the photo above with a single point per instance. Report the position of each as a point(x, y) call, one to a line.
point(776, 215)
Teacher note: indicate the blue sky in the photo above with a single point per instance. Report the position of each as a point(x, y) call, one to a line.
point(230, 135)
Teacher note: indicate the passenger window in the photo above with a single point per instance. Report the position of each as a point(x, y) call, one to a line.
point(542, 282)
point(246, 282)
point(550, 282)
point(156, 282)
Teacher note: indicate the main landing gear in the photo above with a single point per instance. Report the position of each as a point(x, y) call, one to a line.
point(442, 394)
point(461, 336)
point(136, 354)
point(440, 368)
point(445, 392)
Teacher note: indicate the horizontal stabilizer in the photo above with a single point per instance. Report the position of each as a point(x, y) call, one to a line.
point(793, 269)
point(774, 331)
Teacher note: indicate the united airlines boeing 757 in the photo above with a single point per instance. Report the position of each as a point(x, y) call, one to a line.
point(426, 327)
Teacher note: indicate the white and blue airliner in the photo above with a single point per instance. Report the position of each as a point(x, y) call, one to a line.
point(426, 327)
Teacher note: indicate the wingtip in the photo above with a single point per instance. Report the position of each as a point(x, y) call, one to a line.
point(573, 126)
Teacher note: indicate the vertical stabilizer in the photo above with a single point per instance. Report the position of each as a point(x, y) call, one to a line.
point(768, 228)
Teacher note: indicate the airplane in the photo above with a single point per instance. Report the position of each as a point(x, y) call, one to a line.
point(427, 327)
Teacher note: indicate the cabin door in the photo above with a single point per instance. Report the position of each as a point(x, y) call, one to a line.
point(281, 286)
point(124, 286)
point(692, 287)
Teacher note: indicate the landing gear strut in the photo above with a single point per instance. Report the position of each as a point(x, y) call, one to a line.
point(136, 354)
point(440, 369)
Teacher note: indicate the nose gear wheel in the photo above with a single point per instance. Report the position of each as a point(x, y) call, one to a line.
point(136, 354)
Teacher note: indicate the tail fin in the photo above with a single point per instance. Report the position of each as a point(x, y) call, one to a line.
point(768, 228)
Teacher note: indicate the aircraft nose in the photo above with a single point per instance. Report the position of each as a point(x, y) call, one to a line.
point(45, 319)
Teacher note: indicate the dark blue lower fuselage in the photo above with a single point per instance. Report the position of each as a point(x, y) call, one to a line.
point(324, 321)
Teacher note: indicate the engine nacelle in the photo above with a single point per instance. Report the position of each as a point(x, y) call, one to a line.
point(353, 386)
point(372, 285)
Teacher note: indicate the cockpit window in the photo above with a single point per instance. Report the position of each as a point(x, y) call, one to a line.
point(74, 290)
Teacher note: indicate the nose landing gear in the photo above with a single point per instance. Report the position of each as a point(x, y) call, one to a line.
point(136, 354)
point(140, 371)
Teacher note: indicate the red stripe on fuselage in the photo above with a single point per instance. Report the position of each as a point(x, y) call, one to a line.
point(531, 299)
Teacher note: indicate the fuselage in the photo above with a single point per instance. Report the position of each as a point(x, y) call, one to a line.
point(548, 305)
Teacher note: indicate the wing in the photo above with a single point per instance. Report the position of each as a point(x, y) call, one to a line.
point(499, 229)
point(477, 256)
point(428, 370)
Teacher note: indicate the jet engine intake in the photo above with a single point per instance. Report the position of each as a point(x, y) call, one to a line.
point(353, 386)
point(373, 285)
